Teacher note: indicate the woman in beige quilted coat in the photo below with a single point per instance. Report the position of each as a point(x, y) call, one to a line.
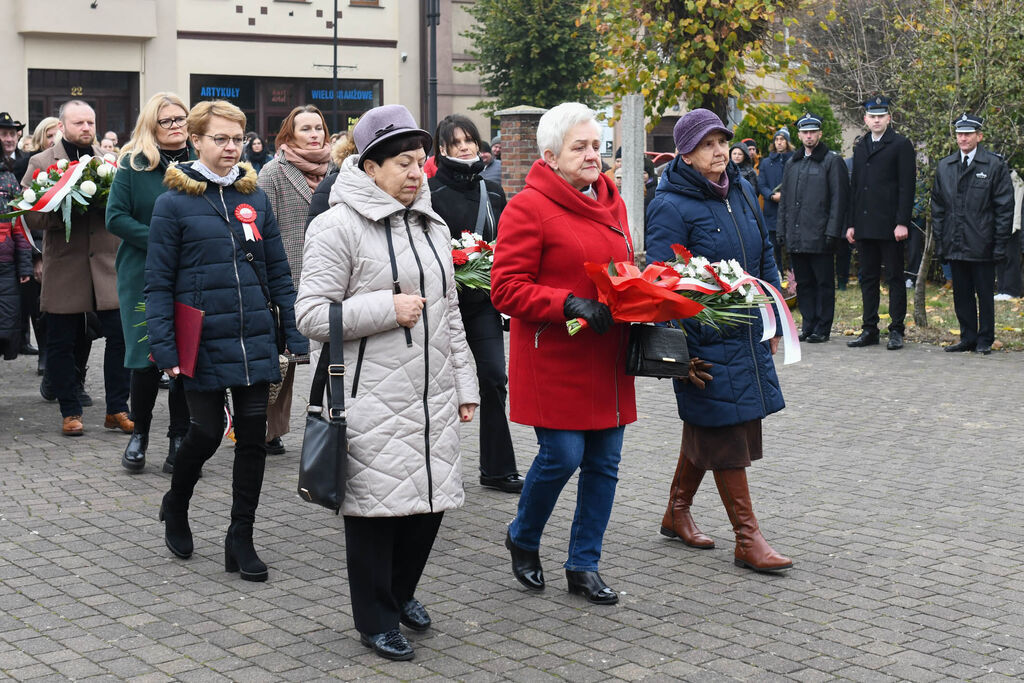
point(383, 252)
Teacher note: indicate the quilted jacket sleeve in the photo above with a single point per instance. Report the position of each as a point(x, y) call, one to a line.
point(161, 274)
point(328, 263)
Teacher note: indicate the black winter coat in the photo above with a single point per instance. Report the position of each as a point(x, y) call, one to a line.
point(882, 187)
point(321, 197)
point(813, 204)
point(769, 176)
point(455, 196)
point(972, 212)
point(198, 255)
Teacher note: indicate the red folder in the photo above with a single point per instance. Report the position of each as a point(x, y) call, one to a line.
point(188, 326)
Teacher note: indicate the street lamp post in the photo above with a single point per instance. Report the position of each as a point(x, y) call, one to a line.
point(334, 73)
point(433, 19)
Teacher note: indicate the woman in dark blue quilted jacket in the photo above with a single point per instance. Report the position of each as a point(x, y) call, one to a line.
point(214, 245)
point(704, 204)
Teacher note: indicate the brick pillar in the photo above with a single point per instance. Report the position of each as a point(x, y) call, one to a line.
point(518, 145)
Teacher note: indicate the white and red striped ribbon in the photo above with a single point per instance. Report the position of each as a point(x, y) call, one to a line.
point(789, 334)
point(51, 199)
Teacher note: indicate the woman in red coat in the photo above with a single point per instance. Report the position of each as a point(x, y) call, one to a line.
point(574, 390)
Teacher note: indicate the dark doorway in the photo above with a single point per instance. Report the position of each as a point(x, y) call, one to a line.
point(113, 94)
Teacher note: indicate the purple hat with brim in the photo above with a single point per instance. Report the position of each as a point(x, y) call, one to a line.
point(383, 123)
point(691, 128)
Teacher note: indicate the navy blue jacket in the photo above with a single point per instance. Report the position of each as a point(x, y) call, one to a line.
point(686, 211)
point(198, 255)
point(769, 176)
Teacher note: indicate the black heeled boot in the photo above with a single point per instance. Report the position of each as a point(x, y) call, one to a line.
point(525, 565)
point(591, 586)
point(177, 534)
point(134, 458)
point(246, 483)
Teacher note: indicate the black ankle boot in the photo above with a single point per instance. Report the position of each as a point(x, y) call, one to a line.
point(177, 534)
point(134, 458)
point(240, 555)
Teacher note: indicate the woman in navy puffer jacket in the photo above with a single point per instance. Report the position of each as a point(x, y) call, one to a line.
point(214, 245)
point(704, 204)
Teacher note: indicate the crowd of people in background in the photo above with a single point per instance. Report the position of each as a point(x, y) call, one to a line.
point(267, 240)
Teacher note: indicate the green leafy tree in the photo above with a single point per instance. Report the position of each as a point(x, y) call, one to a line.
point(761, 121)
point(702, 51)
point(530, 52)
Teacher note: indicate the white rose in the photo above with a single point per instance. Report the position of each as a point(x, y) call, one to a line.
point(88, 188)
point(474, 256)
point(103, 170)
point(29, 196)
point(110, 157)
point(62, 164)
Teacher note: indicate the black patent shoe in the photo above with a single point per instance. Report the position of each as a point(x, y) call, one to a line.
point(389, 645)
point(802, 336)
point(275, 446)
point(510, 483)
point(414, 615)
point(959, 347)
point(895, 341)
point(525, 565)
point(865, 339)
point(817, 338)
point(134, 458)
point(177, 534)
point(591, 586)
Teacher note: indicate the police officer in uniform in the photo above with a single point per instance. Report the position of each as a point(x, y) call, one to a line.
point(972, 217)
point(812, 215)
point(881, 205)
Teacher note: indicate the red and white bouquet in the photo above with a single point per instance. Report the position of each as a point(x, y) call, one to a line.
point(64, 185)
point(719, 294)
point(473, 258)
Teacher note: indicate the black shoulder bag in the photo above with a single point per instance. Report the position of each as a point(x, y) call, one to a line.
point(324, 458)
point(657, 352)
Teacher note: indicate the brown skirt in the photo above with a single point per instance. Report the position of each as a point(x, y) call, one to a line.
point(722, 448)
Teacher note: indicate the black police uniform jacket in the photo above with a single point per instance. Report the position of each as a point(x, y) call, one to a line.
point(882, 187)
point(972, 210)
point(813, 204)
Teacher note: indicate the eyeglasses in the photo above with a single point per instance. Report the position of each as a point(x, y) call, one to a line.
point(223, 140)
point(178, 121)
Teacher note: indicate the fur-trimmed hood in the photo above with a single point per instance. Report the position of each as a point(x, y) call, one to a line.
point(184, 178)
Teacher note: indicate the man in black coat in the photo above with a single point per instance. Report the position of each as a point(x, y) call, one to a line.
point(972, 217)
point(881, 204)
point(812, 214)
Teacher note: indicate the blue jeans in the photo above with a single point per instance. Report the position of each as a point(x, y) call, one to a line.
point(596, 454)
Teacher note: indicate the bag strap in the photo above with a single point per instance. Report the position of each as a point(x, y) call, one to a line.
point(330, 371)
point(484, 217)
point(394, 272)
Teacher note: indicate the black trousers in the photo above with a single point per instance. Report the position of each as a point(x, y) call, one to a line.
point(487, 342)
point(874, 255)
point(773, 237)
point(973, 289)
point(144, 389)
point(1008, 275)
point(65, 335)
point(386, 557)
point(205, 431)
point(815, 278)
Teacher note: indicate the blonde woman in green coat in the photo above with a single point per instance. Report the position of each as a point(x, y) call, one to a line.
point(159, 140)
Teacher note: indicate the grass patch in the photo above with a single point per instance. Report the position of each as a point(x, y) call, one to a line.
point(942, 329)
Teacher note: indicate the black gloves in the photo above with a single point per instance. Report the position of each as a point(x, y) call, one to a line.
point(597, 315)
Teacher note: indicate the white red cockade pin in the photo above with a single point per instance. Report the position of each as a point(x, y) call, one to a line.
point(246, 215)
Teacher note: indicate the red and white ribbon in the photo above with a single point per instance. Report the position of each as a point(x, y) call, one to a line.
point(51, 199)
point(789, 334)
point(246, 215)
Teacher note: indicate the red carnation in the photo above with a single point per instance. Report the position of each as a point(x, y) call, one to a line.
point(459, 257)
point(51, 168)
point(682, 252)
point(35, 174)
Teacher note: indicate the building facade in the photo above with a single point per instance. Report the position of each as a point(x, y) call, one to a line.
point(266, 56)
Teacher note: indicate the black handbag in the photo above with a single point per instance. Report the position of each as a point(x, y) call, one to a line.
point(325, 444)
point(657, 352)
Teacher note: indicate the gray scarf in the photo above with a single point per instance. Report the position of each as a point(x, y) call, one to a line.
point(223, 181)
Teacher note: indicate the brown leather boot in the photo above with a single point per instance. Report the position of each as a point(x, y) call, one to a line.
point(751, 549)
point(677, 522)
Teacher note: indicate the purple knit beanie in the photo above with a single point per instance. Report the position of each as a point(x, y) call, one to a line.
point(691, 128)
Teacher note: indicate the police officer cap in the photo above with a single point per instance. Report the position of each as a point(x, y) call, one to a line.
point(879, 104)
point(968, 123)
point(808, 122)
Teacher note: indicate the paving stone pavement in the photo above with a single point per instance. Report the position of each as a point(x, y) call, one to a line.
point(892, 479)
